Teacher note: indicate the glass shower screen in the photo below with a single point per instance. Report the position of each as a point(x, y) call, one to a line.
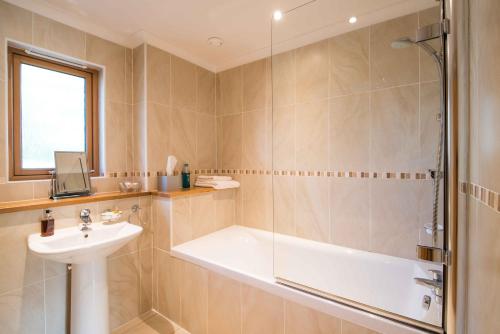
point(356, 128)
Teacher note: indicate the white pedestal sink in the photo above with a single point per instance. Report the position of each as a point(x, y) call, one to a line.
point(87, 252)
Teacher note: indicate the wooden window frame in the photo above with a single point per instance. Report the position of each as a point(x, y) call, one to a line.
point(17, 57)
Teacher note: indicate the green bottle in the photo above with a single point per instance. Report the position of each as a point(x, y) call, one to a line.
point(186, 183)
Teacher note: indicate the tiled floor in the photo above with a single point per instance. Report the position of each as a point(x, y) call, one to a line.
point(151, 323)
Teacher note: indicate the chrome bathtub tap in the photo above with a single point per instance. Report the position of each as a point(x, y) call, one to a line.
point(86, 220)
point(435, 284)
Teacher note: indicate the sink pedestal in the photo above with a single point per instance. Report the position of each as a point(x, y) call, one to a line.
point(89, 298)
point(87, 253)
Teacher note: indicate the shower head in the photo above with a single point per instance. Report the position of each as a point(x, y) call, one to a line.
point(402, 43)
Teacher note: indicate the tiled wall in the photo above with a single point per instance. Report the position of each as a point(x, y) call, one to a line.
point(174, 113)
point(484, 166)
point(352, 104)
point(154, 104)
point(33, 292)
point(116, 130)
point(204, 302)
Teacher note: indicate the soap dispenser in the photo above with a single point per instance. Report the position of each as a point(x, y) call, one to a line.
point(47, 224)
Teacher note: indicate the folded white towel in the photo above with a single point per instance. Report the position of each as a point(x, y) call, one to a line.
point(217, 184)
point(214, 178)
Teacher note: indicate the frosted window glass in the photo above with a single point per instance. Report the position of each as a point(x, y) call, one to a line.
point(52, 115)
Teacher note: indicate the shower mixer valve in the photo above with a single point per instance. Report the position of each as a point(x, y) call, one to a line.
point(435, 284)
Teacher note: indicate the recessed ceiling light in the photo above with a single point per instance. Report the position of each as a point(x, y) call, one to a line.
point(215, 41)
point(353, 19)
point(277, 15)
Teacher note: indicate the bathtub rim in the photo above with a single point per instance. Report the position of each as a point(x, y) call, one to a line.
point(358, 314)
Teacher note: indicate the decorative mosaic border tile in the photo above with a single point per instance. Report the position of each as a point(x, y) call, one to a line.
point(484, 195)
point(300, 173)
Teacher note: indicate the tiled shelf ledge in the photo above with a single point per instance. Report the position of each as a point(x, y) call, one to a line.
point(43, 203)
point(183, 192)
point(32, 204)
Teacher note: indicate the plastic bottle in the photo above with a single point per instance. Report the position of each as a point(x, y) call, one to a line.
point(186, 175)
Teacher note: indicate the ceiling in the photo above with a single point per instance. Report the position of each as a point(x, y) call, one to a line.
point(182, 27)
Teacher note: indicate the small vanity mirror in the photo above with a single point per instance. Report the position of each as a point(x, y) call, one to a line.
point(71, 175)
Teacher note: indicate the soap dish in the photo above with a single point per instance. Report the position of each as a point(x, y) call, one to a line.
point(126, 187)
point(111, 215)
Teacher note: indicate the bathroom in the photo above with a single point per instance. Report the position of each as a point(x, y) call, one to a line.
point(249, 167)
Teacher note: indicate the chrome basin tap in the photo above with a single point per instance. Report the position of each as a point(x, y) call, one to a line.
point(435, 284)
point(86, 220)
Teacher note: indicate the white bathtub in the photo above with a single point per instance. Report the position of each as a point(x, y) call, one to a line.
point(382, 282)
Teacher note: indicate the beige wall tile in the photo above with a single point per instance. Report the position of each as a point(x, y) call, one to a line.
point(194, 298)
point(182, 228)
point(428, 69)
point(349, 140)
point(184, 84)
point(117, 130)
point(145, 239)
point(261, 312)
point(349, 63)
point(130, 138)
point(229, 92)
point(52, 269)
point(129, 69)
point(254, 85)
point(206, 141)
point(205, 81)
point(394, 209)
point(283, 138)
point(257, 201)
point(158, 75)
point(484, 272)
point(388, 66)
point(225, 208)
point(312, 75)
point(484, 223)
point(284, 73)
point(56, 302)
point(15, 23)
point(58, 37)
point(124, 289)
point(489, 100)
point(169, 273)
point(3, 127)
point(224, 305)
point(350, 328)
point(22, 310)
point(159, 144)
point(284, 204)
point(146, 280)
point(139, 74)
point(429, 124)
point(112, 56)
point(312, 209)
point(202, 215)
point(16, 191)
point(394, 133)
point(255, 151)
point(229, 146)
point(162, 224)
point(312, 136)
point(24, 268)
point(350, 213)
point(140, 136)
point(183, 137)
point(41, 189)
point(300, 319)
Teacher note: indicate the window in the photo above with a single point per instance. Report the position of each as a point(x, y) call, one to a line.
point(53, 107)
